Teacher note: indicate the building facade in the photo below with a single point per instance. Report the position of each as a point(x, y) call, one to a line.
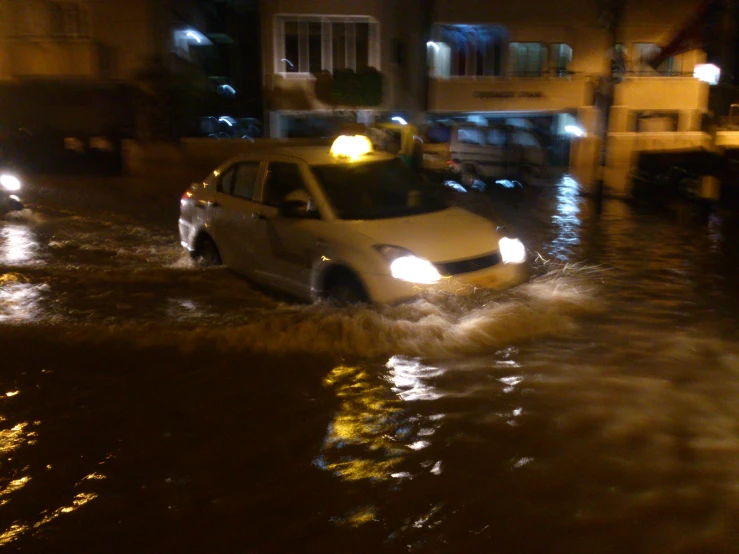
point(303, 42)
point(80, 69)
point(545, 65)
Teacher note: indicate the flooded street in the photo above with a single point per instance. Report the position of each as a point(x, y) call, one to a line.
point(150, 406)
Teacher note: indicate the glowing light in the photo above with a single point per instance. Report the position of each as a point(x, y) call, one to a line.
point(512, 251)
point(414, 270)
point(228, 120)
point(288, 61)
point(708, 73)
point(228, 88)
point(351, 147)
point(433, 45)
point(399, 119)
point(194, 35)
point(11, 393)
point(575, 130)
point(10, 182)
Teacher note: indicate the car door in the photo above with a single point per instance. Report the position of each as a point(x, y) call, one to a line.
point(287, 244)
point(233, 215)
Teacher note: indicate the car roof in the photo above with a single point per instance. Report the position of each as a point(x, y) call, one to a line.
point(316, 155)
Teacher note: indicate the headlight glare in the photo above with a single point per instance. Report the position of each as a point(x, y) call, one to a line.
point(10, 182)
point(407, 267)
point(512, 251)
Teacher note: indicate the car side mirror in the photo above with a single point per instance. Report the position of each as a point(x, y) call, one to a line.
point(297, 208)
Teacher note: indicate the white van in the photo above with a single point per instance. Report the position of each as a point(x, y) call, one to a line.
point(474, 152)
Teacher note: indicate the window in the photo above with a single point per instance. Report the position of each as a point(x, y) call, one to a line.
point(496, 136)
point(282, 179)
point(523, 138)
point(528, 59)
point(377, 190)
point(644, 51)
point(313, 44)
point(466, 50)
point(225, 185)
point(470, 135)
point(561, 57)
point(245, 181)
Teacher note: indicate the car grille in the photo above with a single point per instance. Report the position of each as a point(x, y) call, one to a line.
point(468, 266)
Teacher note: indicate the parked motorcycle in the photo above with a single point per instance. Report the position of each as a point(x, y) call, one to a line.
point(10, 187)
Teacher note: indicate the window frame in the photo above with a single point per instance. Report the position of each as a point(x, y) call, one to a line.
point(326, 42)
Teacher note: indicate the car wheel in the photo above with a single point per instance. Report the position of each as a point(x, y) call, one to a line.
point(345, 289)
point(206, 254)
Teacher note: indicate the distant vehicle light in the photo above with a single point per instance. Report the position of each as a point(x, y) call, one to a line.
point(512, 251)
point(10, 182)
point(708, 73)
point(399, 119)
point(351, 147)
point(574, 130)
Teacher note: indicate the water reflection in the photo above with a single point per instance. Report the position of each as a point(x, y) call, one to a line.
point(365, 438)
point(19, 300)
point(566, 221)
point(376, 436)
point(17, 245)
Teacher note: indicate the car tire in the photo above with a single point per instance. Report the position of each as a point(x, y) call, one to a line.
point(344, 289)
point(206, 253)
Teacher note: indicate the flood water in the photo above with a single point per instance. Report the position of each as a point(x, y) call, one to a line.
point(150, 406)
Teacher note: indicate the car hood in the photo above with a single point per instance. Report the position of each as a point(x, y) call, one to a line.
point(447, 235)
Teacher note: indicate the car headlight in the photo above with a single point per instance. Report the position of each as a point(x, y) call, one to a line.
point(407, 267)
point(10, 182)
point(512, 251)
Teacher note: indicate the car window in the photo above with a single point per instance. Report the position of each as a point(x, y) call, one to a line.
point(377, 190)
point(522, 138)
point(226, 183)
point(282, 179)
point(469, 136)
point(245, 180)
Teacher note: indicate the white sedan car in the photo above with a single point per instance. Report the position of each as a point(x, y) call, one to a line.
point(346, 223)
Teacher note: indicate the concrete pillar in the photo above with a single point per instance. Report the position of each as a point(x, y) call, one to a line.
point(585, 150)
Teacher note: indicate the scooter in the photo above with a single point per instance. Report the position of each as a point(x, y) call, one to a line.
point(10, 187)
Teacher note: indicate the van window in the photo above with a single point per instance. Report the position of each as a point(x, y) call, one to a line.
point(438, 134)
point(496, 137)
point(467, 135)
point(522, 138)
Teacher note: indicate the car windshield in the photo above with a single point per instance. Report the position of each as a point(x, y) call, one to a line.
point(377, 190)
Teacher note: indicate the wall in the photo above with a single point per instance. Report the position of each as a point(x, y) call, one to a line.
point(527, 94)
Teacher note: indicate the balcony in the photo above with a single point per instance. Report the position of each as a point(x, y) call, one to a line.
point(487, 94)
point(51, 57)
point(662, 93)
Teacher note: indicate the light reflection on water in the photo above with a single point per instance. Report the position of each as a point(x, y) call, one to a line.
point(17, 245)
point(565, 219)
point(376, 434)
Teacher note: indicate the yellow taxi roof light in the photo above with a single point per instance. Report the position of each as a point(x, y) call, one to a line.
point(347, 146)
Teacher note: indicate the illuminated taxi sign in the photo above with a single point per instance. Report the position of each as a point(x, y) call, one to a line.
point(351, 147)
